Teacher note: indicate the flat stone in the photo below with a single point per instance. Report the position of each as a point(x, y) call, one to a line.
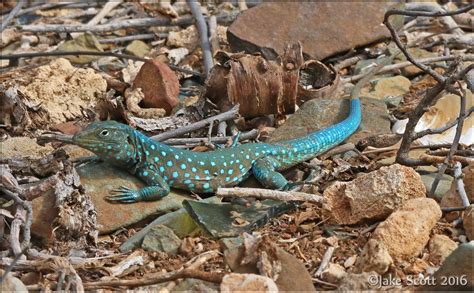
point(99, 179)
point(384, 88)
point(161, 238)
point(324, 27)
point(417, 54)
point(137, 48)
point(443, 186)
point(321, 113)
point(229, 220)
point(179, 221)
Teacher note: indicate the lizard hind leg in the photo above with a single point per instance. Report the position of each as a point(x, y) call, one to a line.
point(265, 171)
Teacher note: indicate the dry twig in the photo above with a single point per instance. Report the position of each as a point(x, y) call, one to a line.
point(269, 194)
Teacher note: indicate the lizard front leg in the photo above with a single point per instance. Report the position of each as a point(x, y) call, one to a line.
point(157, 188)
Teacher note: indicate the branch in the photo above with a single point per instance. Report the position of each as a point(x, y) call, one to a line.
point(203, 34)
point(129, 23)
point(229, 115)
point(268, 194)
point(91, 53)
point(12, 14)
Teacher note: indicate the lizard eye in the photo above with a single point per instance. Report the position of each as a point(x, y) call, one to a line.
point(104, 132)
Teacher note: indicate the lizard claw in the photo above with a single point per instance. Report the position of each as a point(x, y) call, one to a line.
point(124, 194)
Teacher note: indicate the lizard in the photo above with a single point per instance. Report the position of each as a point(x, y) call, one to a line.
point(161, 166)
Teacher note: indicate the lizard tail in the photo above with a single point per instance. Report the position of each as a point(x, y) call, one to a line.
point(324, 139)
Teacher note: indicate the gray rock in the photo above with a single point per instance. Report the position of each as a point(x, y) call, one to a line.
point(458, 268)
point(317, 114)
point(161, 238)
point(443, 186)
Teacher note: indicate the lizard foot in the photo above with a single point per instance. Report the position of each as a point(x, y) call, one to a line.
point(124, 194)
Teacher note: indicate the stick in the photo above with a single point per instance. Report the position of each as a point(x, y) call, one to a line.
point(109, 6)
point(132, 38)
point(130, 23)
point(460, 184)
point(229, 115)
point(220, 140)
point(269, 194)
point(92, 53)
point(388, 68)
point(324, 263)
point(454, 147)
point(203, 34)
point(28, 218)
point(12, 14)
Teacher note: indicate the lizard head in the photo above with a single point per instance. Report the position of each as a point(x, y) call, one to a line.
point(108, 139)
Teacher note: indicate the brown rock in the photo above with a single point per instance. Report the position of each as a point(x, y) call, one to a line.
point(374, 258)
point(98, 180)
point(440, 247)
point(383, 191)
point(328, 27)
point(468, 222)
point(159, 84)
point(334, 273)
point(405, 232)
point(247, 283)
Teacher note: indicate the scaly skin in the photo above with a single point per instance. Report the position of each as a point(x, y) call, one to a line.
point(161, 166)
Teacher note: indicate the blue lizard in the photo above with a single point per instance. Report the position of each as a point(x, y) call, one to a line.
point(161, 166)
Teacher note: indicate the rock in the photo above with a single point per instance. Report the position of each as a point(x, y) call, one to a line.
point(188, 38)
point(12, 284)
point(99, 179)
point(383, 190)
point(320, 113)
point(229, 220)
point(335, 27)
point(191, 285)
point(443, 186)
point(84, 42)
point(137, 48)
point(374, 258)
point(406, 232)
point(387, 87)
point(179, 221)
point(159, 84)
point(440, 247)
point(452, 199)
point(468, 222)
point(334, 273)
point(20, 146)
point(247, 283)
point(62, 92)
point(362, 281)
point(417, 53)
point(293, 275)
point(161, 238)
point(457, 268)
